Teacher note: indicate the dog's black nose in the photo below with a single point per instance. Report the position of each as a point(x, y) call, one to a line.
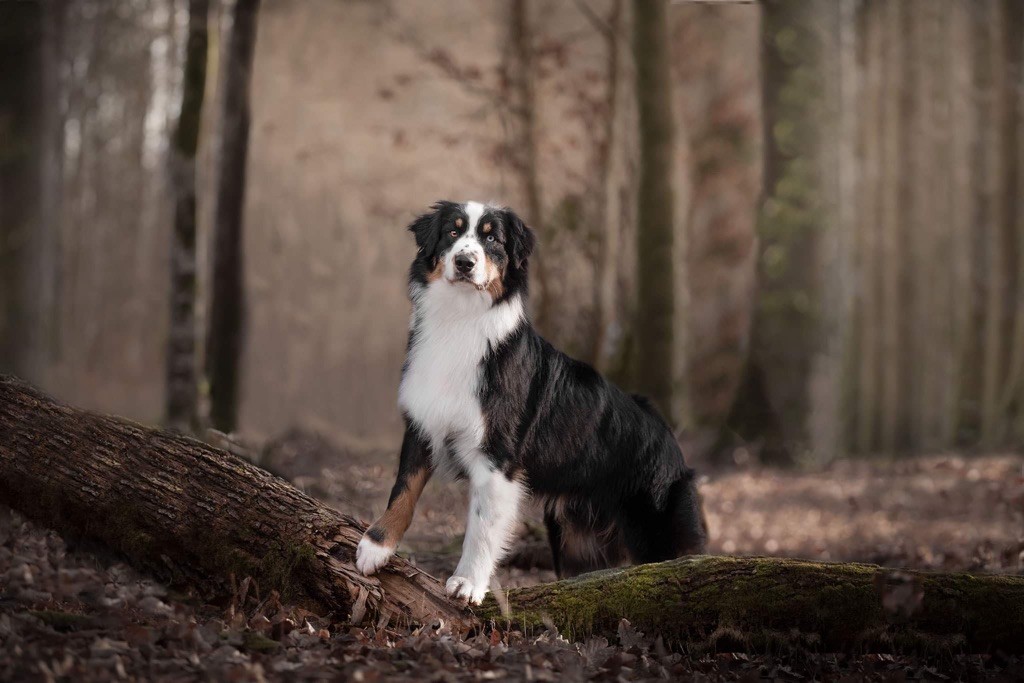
point(464, 263)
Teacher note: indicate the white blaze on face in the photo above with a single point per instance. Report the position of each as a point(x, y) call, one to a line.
point(469, 244)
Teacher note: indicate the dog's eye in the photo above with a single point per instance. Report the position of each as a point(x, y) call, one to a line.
point(490, 238)
point(454, 233)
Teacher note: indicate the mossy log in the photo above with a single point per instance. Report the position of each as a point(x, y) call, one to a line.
point(195, 515)
point(764, 604)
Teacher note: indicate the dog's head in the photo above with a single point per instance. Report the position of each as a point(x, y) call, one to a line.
point(472, 245)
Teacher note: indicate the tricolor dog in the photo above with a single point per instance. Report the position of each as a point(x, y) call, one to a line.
point(486, 399)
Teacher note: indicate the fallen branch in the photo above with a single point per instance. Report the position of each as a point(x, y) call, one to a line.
point(193, 514)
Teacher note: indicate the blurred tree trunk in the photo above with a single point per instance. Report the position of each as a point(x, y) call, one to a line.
point(989, 72)
point(715, 57)
point(525, 142)
point(654, 338)
point(892, 187)
point(21, 142)
point(991, 365)
point(182, 371)
point(609, 198)
point(797, 343)
point(1013, 393)
point(48, 264)
point(1003, 362)
point(227, 302)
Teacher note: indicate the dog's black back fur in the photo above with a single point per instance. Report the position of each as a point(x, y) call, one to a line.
point(606, 462)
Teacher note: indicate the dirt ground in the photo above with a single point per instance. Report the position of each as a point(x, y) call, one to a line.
point(73, 613)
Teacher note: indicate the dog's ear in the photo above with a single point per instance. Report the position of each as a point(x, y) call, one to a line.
point(520, 239)
point(427, 229)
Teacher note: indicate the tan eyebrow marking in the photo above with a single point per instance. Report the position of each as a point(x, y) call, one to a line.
point(487, 228)
point(458, 222)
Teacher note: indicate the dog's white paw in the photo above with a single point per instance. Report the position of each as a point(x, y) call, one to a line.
point(461, 588)
point(371, 556)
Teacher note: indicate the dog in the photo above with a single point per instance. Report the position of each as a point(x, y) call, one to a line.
point(486, 399)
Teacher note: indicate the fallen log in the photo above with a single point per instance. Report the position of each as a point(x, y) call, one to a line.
point(190, 513)
point(751, 604)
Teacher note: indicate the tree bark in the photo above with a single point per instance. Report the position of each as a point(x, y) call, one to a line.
point(182, 372)
point(227, 301)
point(21, 138)
point(192, 514)
point(655, 311)
point(526, 141)
point(757, 604)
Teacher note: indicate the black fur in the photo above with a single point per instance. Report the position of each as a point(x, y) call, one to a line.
point(605, 462)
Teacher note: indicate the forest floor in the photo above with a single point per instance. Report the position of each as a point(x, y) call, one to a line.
point(73, 613)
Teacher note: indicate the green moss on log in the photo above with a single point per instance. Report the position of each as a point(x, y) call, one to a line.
point(713, 602)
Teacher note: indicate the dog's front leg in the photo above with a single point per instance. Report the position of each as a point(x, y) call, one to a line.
point(380, 540)
point(493, 513)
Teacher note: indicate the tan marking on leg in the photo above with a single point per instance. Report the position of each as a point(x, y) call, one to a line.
point(397, 518)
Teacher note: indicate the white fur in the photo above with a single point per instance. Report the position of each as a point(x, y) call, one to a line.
point(493, 513)
point(455, 325)
point(371, 556)
point(469, 243)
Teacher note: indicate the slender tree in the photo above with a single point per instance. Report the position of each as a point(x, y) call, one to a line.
point(607, 302)
point(182, 373)
point(656, 205)
point(796, 353)
point(227, 304)
point(523, 72)
point(1013, 122)
point(21, 27)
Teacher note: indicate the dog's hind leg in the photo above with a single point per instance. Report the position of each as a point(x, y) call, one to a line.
point(686, 515)
point(554, 540)
point(658, 532)
point(580, 544)
point(380, 540)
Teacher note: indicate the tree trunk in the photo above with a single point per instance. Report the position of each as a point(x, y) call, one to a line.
point(992, 100)
point(791, 396)
point(1013, 397)
point(608, 197)
point(182, 373)
point(197, 516)
point(227, 303)
point(757, 604)
point(192, 514)
point(718, 85)
point(526, 141)
point(1010, 314)
point(47, 266)
point(21, 109)
point(655, 311)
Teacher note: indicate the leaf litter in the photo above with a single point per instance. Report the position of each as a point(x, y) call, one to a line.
point(75, 613)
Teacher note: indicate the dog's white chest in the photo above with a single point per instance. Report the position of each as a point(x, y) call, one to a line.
point(455, 326)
